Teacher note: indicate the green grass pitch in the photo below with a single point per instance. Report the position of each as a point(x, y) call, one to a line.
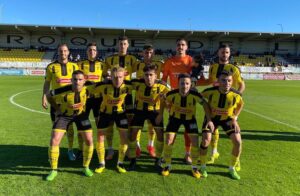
point(270, 158)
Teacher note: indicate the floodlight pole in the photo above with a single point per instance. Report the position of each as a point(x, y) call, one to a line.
point(281, 27)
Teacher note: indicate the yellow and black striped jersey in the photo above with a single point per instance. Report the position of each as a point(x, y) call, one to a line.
point(70, 103)
point(93, 70)
point(222, 105)
point(216, 69)
point(59, 74)
point(183, 108)
point(148, 98)
point(114, 100)
point(127, 62)
point(139, 66)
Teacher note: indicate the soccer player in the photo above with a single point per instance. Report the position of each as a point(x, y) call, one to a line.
point(226, 104)
point(115, 108)
point(148, 54)
point(126, 61)
point(180, 63)
point(93, 70)
point(182, 105)
point(69, 103)
point(147, 105)
point(59, 74)
point(238, 84)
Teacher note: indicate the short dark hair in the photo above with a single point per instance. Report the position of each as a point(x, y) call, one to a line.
point(184, 75)
point(62, 44)
point(91, 44)
point(148, 47)
point(122, 38)
point(77, 72)
point(181, 39)
point(199, 59)
point(225, 73)
point(223, 46)
point(150, 67)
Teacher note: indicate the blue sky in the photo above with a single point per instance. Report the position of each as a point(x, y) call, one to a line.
point(227, 15)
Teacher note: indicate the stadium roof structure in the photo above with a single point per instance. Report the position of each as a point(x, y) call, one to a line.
point(147, 33)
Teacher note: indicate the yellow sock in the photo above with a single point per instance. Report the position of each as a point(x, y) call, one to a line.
point(159, 146)
point(122, 151)
point(70, 136)
point(138, 136)
point(53, 154)
point(80, 142)
point(234, 161)
point(215, 139)
point(203, 159)
point(109, 135)
point(151, 134)
point(100, 152)
point(87, 154)
point(194, 154)
point(168, 154)
point(131, 149)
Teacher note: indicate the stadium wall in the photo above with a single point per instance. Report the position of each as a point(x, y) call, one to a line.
point(248, 73)
point(107, 41)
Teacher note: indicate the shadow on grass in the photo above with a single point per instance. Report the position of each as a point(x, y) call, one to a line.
point(33, 160)
point(267, 135)
point(270, 135)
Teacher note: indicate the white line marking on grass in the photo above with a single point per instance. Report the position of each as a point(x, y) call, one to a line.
point(271, 119)
point(11, 100)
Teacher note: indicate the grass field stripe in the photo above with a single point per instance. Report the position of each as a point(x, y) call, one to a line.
point(271, 119)
point(11, 99)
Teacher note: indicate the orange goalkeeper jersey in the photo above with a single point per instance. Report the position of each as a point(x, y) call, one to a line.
point(175, 66)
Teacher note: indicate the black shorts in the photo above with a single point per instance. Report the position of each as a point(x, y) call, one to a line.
point(140, 117)
point(105, 120)
point(225, 124)
point(189, 125)
point(94, 104)
point(81, 121)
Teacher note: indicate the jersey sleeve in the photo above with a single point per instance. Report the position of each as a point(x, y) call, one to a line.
point(98, 90)
point(166, 71)
point(48, 76)
point(205, 94)
point(61, 90)
point(237, 75)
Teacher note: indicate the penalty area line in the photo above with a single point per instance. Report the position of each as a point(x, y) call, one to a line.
point(272, 120)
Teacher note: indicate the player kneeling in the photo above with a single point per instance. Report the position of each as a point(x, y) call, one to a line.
point(182, 103)
point(226, 104)
point(69, 103)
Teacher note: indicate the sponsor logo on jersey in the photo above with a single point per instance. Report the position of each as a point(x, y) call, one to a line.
point(183, 110)
point(219, 111)
point(76, 106)
point(147, 99)
point(114, 101)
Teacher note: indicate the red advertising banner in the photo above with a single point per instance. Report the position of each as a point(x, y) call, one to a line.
point(274, 76)
point(37, 72)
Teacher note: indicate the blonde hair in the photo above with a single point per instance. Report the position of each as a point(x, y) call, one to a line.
point(117, 68)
